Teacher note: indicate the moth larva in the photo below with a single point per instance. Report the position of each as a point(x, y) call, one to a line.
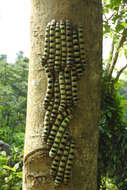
point(49, 91)
point(63, 43)
point(58, 48)
point(67, 76)
point(76, 52)
point(74, 85)
point(62, 164)
point(46, 128)
point(59, 135)
point(81, 44)
point(62, 92)
point(67, 173)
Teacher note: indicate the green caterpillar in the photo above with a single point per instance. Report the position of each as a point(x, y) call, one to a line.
point(55, 127)
point(47, 125)
point(56, 101)
point(81, 45)
point(62, 164)
point(63, 44)
point(49, 92)
point(67, 172)
point(62, 92)
point(59, 135)
point(52, 45)
point(76, 51)
point(74, 85)
point(58, 48)
point(68, 87)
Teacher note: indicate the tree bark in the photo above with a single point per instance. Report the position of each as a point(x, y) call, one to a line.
point(84, 124)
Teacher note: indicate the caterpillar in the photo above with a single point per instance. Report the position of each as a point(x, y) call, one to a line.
point(58, 48)
point(46, 45)
point(81, 45)
point(69, 44)
point(47, 125)
point(68, 87)
point(62, 164)
point(55, 127)
point(67, 173)
point(56, 101)
point(59, 135)
point(74, 85)
point(52, 45)
point(62, 92)
point(64, 62)
point(76, 51)
point(63, 44)
point(49, 92)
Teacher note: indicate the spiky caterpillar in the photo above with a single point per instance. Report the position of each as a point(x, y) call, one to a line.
point(64, 61)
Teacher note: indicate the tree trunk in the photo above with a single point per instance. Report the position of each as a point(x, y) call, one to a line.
point(84, 124)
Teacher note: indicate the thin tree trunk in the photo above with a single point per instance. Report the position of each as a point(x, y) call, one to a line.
point(84, 124)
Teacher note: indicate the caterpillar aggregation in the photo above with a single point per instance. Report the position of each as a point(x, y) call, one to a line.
point(64, 61)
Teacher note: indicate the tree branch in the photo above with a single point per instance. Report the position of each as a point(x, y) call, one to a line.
point(115, 58)
point(120, 72)
point(110, 56)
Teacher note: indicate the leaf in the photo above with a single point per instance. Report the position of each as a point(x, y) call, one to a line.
point(9, 168)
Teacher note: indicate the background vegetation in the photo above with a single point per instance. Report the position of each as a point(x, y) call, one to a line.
point(112, 170)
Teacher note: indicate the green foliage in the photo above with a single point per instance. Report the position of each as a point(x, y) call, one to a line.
point(11, 170)
point(13, 90)
point(113, 136)
point(13, 93)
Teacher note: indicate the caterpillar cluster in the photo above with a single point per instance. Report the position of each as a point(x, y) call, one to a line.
point(64, 61)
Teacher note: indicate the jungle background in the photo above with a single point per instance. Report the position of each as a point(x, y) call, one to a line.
point(112, 162)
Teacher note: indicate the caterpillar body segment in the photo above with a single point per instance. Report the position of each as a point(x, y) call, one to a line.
point(76, 52)
point(67, 76)
point(54, 166)
point(59, 136)
point(67, 173)
point(52, 45)
point(74, 85)
point(58, 48)
point(47, 126)
point(63, 43)
point(61, 145)
point(55, 163)
point(81, 44)
point(60, 117)
point(56, 101)
point(69, 44)
point(46, 45)
point(50, 86)
point(62, 164)
point(62, 92)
